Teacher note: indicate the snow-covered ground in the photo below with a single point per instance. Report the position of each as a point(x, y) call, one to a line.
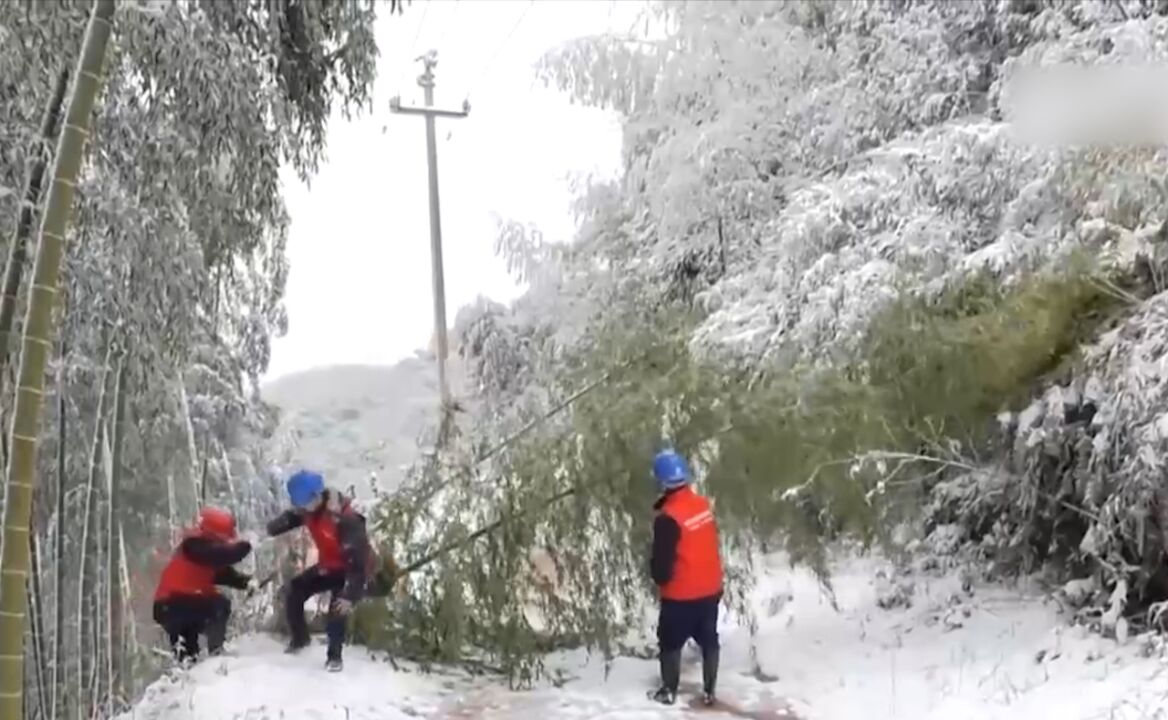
point(993, 653)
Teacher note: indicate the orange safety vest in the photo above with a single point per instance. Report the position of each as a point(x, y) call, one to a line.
point(183, 576)
point(697, 569)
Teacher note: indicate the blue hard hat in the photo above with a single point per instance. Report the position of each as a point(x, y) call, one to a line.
point(670, 469)
point(304, 486)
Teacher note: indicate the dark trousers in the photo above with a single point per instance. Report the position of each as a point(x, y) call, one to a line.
point(314, 581)
point(185, 617)
point(680, 620)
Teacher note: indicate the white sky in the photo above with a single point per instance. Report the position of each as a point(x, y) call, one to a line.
point(359, 289)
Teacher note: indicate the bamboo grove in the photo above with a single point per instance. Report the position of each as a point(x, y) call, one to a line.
point(143, 233)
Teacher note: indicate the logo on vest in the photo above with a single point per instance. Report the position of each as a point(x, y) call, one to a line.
point(701, 519)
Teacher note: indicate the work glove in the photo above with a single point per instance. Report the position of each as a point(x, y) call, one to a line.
point(391, 568)
point(341, 606)
point(252, 586)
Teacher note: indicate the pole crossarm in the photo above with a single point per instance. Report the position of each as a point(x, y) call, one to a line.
point(395, 106)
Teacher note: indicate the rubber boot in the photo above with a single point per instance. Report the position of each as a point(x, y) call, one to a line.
point(294, 616)
point(216, 636)
point(186, 648)
point(335, 630)
point(670, 678)
point(710, 657)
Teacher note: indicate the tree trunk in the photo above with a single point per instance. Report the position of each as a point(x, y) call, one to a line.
point(113, 546)
point(38, 338)
point(197, 484)
point(18, 247)
point(127, 601)
point(171, 506)
point(87, 567)
point(100, 613)
point(228, 478)
point(37, 616)
point(58, 703)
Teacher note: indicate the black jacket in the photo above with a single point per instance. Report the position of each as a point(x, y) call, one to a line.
point(666, 534)
point(219, 555)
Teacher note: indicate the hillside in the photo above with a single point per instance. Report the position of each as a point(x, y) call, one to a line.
point(352, 420)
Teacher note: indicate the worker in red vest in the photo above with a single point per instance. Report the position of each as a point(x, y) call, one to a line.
point(186, 602)
point(687, 567)
point(344, 559)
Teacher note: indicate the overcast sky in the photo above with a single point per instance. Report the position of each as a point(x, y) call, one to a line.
point(360, 287)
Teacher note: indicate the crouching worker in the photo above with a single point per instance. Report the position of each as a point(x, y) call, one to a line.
point(186, 602)
point(344, 559)
point(687, 568)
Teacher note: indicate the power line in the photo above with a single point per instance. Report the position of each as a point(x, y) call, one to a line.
point(445, 31)
point(421, 24)
point(410, 57)
point(441, 38)
point(498, 50)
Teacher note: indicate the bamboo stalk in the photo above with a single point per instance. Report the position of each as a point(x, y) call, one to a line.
point(36, 608)
point(85, 572)
point(113, 548)
point(58, 702)
point(18, 248)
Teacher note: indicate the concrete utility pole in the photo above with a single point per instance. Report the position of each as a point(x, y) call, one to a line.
point(429, 112)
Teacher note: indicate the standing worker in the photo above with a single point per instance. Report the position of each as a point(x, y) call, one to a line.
point(687, 567)
point(344, 559)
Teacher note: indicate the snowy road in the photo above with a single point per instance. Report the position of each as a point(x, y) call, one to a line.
point(995, 654)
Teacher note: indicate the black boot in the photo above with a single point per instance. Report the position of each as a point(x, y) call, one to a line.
point(710, 658)
point(294, 615)
point(335, 629)
point(216, 636)
point(186, 647)
point(670, 678)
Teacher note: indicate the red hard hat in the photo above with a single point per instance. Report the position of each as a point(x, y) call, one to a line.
point(217, 522)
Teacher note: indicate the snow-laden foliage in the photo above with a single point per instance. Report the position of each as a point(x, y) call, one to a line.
point(1078, 486)
point(735, 194)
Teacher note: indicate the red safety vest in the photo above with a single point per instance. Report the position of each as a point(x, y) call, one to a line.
point(697, 570)
point(322, 526)
point(182, 576)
